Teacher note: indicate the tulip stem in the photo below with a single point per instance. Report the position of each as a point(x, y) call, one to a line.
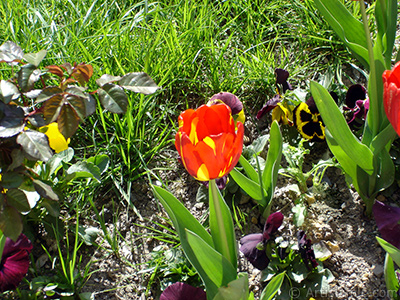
point(2, 243)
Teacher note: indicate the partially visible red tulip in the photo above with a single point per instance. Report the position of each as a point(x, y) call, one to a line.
point(208, 142)
point(391, 96)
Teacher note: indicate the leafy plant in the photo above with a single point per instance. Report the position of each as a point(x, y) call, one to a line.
point(260, 185)
point(34, 98)
point(367, 163)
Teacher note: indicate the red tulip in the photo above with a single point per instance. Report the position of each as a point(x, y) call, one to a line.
point(391, 96)
point(207, 141)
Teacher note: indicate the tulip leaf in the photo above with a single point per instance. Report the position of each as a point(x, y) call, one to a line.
point(17, 199)
point(113, 98)
point(44, 190)
point(273, 287)
point(248, 168)
point(236, 290)
point(180, 216)
point(392, 283)
point(386, 19)
point(215, 270)
point(387, 172)
point(35, 58)
point(8, 92)
point(10, 222)
point(35, 144)
point(390, 249)
point(221, 225)
point(272, 164)
point(347, 27)
point(340, 131)
point(139, 82)
point(183, 222)
point(252, 188)
point(11, 120)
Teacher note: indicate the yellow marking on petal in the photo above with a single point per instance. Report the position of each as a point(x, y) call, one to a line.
point(240, 117)
point(180, 123)
point(202, 173)
point(193, 133)
point(210, 143)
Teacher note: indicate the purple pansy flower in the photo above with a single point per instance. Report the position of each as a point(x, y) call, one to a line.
point(252, 245)
point(357, 102)
point(387, 219)
point(282, 85)
point(14, 262)
point(306, 250)
point(183, 291)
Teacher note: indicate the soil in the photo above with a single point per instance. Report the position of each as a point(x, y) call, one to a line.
point(336, 219)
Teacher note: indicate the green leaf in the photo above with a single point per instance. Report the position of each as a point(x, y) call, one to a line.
point(27, 76)
point(88, 234)
point(11, 120)
point(215, 270)
point(113, 98)
point(339, 130)
point(139, 82)
point(101, 161)
point(249, 186)
point(44, 190)
point(300, 213)
point(84, 169)
point(35, 144)
point(10, 222)
point(273, 287)
point(180, 216)
point(272, 164)
point(392, 283)
point(257, 146)
point(8, 92)
point(349, 29)
point(35, 58)
point(10, 180)
point(55, 163)
point(78, 104)
point(390, 249)
point(52, 207)
point(221, 225)
point(17, 199)
point(248, 168)
point(236, 290)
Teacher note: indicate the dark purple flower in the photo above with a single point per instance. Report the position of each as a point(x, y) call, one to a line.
point(281, 86)
point(14, 262)
point(183, 291)
point(229, 99)
point(252, 245)
point(357, 102)
point(306, 250)
point(387, 219)
point(221, 182)
point(281, 79)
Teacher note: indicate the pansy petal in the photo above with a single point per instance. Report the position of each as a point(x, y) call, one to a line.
point(272, 224)
point(183, 291)
point(258, 258)
point(387, 219)
point(229, 99)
